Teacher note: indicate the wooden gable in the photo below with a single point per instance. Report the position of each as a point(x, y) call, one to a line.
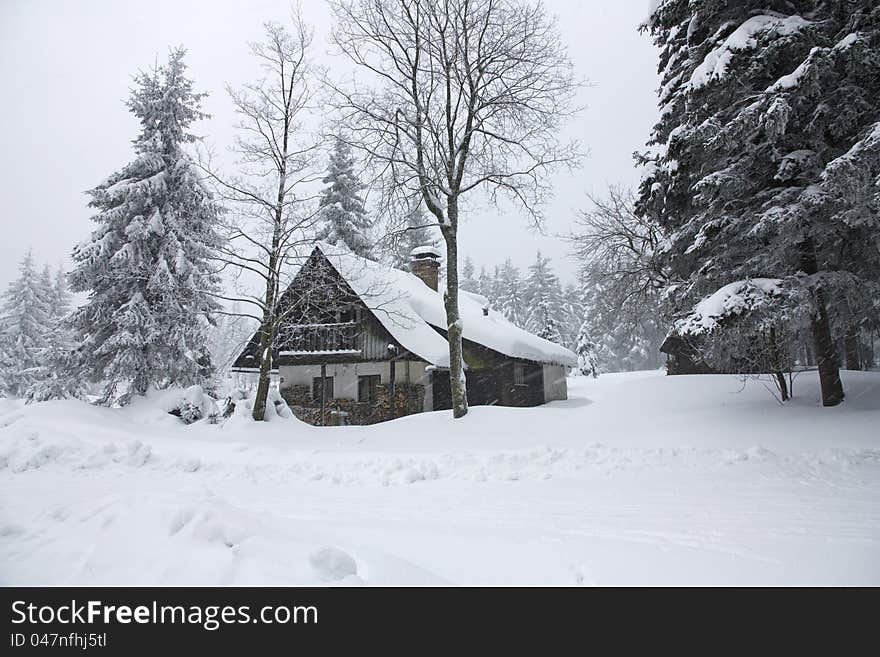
point(323, 321)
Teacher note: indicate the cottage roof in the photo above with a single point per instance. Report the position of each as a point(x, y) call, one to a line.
point(410, 310)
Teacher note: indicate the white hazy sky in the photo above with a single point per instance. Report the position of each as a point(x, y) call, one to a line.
point(66, 67)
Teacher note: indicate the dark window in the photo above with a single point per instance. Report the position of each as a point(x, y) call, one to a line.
point(349, 313)
point(328, 388)
point(368, 388)
point(519, 374)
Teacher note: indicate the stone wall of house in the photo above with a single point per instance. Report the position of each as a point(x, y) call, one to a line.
point(408, 399)
point(297, 395)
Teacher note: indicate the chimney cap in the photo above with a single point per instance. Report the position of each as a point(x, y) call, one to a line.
point(425, 252)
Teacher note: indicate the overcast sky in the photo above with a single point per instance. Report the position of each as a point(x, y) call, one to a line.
point(66, 67)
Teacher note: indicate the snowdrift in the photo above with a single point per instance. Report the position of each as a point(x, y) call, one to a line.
point(710, 481)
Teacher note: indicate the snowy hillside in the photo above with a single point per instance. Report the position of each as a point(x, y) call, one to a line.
point(636, 479)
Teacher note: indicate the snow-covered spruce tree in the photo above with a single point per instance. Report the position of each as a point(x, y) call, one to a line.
point(571, 313)
point(468, 282)
point(543, 295)
point(626, 336)
point(342, 216)
point(588, 359)
point(620, 279)
point(511, 297)
point(495, 288)
point(24, 318)
point(767, 154)
point(146, 266)
point(57, 376)
point(485, 287)
point(60, 294)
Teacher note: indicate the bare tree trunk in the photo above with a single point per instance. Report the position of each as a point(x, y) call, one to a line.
point(269, 328)
point(267, 344)
point(259, 412)
point(457, 381)
point(823, 342)
point(778, 366)
point(851, 349)
point(826, 354)
point(809, 357)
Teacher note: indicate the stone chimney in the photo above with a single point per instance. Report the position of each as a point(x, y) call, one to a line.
point(424, 262)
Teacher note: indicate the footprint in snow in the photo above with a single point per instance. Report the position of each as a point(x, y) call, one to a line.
point(333, 564)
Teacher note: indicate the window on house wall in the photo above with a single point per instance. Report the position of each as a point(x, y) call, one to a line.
point(368, 388)
point(316, 388)
point(348, 313)
point(519, 374)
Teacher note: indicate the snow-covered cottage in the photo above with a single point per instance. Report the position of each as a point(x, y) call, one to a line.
point(361, 342)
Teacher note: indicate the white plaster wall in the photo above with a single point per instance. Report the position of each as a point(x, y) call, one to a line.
point(345, 376)
point(555, 386)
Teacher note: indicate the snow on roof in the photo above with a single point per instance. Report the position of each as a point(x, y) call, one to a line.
point(733, 299)
point(409, 310)
point(426, 250)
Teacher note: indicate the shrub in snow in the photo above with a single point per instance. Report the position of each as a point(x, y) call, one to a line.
point(735, 299)
point(748, 327)
point(228, 406)
point(190, 405)
point(276, 407)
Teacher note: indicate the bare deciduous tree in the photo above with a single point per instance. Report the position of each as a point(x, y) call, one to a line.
point(465, 96)
point(620, 246)
point(268, 226)
point(621, 279)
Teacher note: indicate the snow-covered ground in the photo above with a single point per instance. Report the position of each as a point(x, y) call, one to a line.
point(636, 479)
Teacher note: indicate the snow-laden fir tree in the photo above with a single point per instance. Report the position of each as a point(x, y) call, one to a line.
point(468, 282)
point(58, 375)
point(146, 267)
point(485, 287)
point(25, 316)
point(588, 359)
point(766, 158)
point(494, 291)
point(342, 216)
point(626, 336)
point(61, 293)
point(543, 295)
point(511, 298)
point(571, 312)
